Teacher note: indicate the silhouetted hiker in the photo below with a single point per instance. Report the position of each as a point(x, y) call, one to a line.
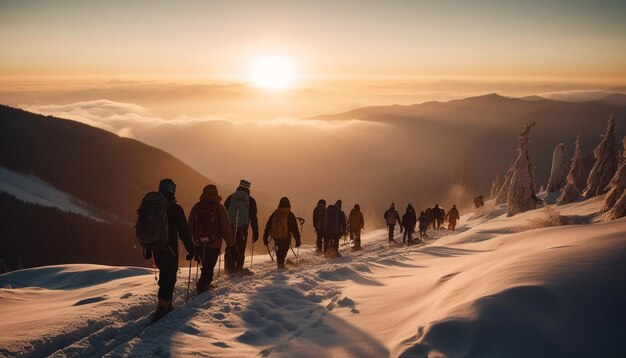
point(430, 217)
point(423, 224)
point(391, 216)
point(439, 215)
point(319, 216)
point(209, 224)
point(356, 223)
point(334, 228)
point(282, 226)
point(409, 220)
point(167, 259)
point(479, 201)
point(242, 212)
point(452, 216)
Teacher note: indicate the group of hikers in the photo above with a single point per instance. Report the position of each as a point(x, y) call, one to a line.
point(430, 218)
point(161, 222)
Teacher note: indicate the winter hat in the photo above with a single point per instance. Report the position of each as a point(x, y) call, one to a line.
point(338, 203)
point(245, 183)
point(167, 186)
point(393, 205)
point(284, 202)
point(356, 206)
point(321, 202)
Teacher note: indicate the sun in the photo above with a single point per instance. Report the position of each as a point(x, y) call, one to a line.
point(273, 72)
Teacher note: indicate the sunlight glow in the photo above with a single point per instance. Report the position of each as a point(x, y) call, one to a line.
point(273, 72)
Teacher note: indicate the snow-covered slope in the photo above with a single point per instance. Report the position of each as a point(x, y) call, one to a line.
point(498, 287)
point(31, 189)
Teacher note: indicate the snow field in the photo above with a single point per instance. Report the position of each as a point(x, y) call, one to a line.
point(496, 287)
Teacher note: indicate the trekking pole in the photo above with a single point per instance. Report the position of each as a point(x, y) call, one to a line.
point(189, 281)
point(252, 255)
point(301, 221)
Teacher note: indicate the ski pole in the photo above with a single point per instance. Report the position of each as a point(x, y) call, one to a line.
point(252, 255)
point(189, 281)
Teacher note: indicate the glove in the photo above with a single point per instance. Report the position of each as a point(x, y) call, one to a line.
point(197, 257)
point(265, 240)
point(255, 237)
point(298, 243)
point(190, 256)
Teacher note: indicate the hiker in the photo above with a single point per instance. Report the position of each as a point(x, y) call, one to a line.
point(409, 220)
point(391, 216)
point(452, 216)
point(209, 224)
point(319, 216)
point(282, 226)
point(479, 201)
point(334, 228)
point(167, 259)
point(430, 217)
point(242, 212)
point(438, 215)
point(423, 224)
point(356, 223)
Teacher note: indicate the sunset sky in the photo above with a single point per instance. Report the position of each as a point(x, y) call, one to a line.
point(569, 40)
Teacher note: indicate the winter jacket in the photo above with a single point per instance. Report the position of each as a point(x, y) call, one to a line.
point(319, 215)
point(423, 220)
point(355, 220)
point(292, 224)
point(409, 219)
point(393, 212)
point(177, 225)
point(453, 214)
point(341, 221)
point(252, 210)
point(210, 197)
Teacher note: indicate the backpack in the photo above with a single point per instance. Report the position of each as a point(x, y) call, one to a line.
point(318, 217)
point(390, 217)
point(207, 223)
point(239, 209)
point(331, 224)
point(355, 220)
point(280, 224)
point(151, 227)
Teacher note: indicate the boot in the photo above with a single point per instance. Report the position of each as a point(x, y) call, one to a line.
point(163, 307)
point(281, 266)
point(202, 286)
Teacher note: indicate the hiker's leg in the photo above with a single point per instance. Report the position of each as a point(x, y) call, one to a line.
point(168, 267)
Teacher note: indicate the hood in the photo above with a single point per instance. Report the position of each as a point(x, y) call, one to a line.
point(338, 203)
point(209, 193)
point(284, 202)
point(321, 202)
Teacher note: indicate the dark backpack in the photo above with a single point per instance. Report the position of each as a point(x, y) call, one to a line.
point(151, 228)
point(239, 209)
point(206, 223)
point(318, 218)
point(331, 223)
point(390, 217)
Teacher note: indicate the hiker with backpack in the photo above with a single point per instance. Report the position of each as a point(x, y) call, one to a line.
point(356, 224)
point(161, 222)
point(409, 220)
point(452, 216)
point(334, 228)
point(391, 216)
point(423, 224)
point(242, 212)
point(282, 225)
point(319, 216)
point(439, 215)
point(209, 224)
point(430, 217)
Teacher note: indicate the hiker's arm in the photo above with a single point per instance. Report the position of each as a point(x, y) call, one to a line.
point(183, 230)
point(268, 228)
point(254, 220)
point(293, 228)
point(227, 202)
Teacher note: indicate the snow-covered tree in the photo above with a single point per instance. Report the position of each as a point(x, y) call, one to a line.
point(606, 162)
point(503, 193)
point(575, 177)
point(619, 209)
point(495, 185)
point(617, 185)
point(521, 195)
point(558, 174)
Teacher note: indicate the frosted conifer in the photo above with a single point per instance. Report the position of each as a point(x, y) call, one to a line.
point(558, 174)
point(606, 163)
point(521, 196)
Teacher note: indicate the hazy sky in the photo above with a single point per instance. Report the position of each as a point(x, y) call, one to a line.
point(568, 39)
